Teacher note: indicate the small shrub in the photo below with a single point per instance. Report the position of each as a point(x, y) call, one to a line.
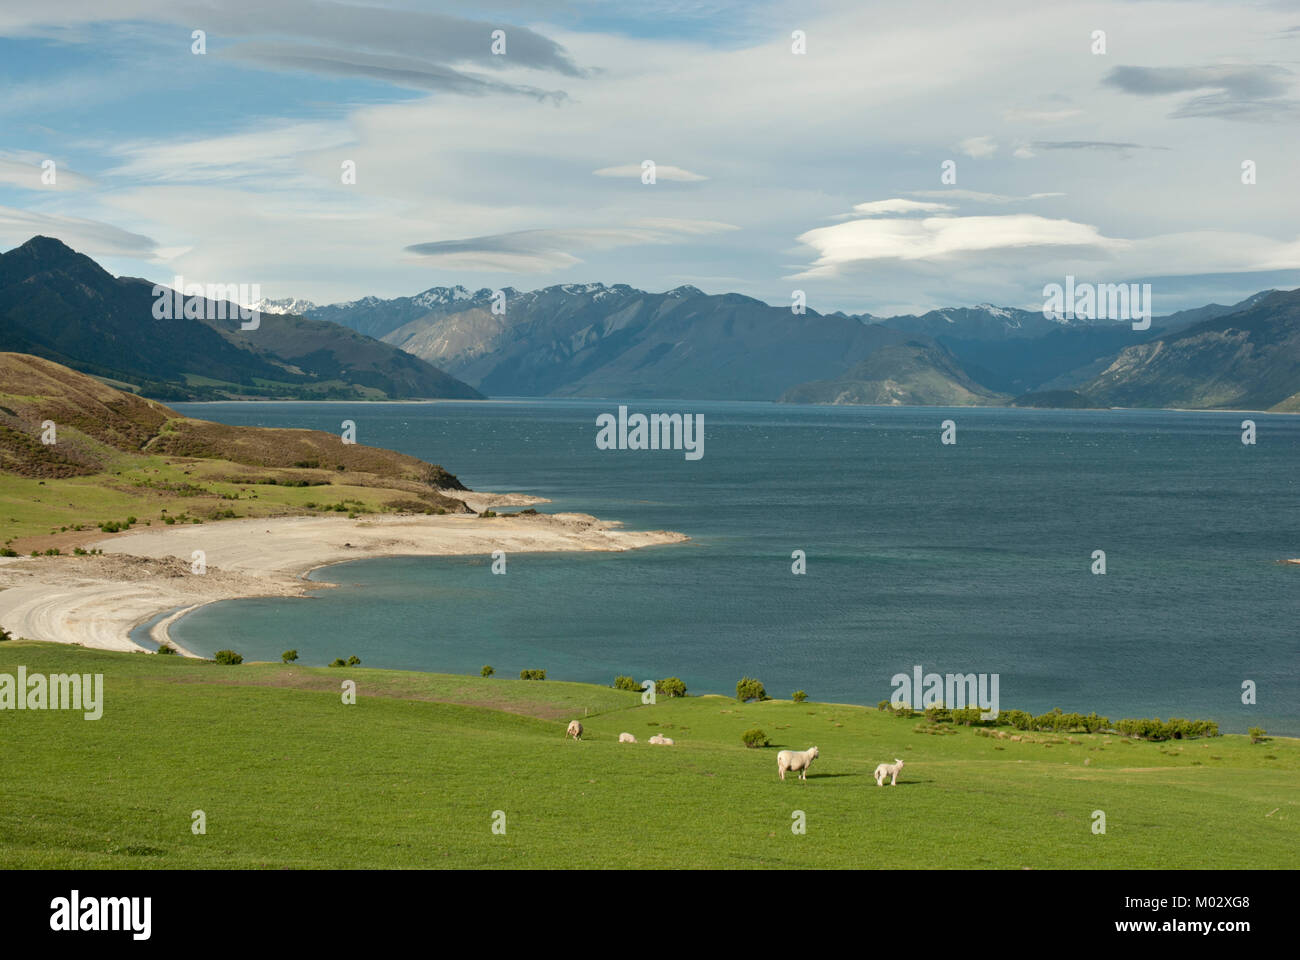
point(755, 738)
point(289, 656)
point(166, 650)
point(354, 661)
point(487, 513)
point(486, 671)
point(671, 687)
point(5, 635)
point(626, 683)
point(1256, 734)
point(338, 662)
point(799, 696)
point(228, 657)
point(8, 552)
point(532, 674)
point(747, 688)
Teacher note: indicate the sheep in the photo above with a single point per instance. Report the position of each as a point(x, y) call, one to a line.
point(661, 739)
point(797, 760)
point(626, 738)
point(575, 730)
point(890, 770)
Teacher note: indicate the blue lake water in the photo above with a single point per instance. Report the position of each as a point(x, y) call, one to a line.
point(969, 558)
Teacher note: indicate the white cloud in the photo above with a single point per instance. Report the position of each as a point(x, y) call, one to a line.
point(663, 171)
point(977, 196)
point(939, 238)
point(978, 146)
point(877, 208)
point(84, 236)
point(25, 169)
point(543, 251)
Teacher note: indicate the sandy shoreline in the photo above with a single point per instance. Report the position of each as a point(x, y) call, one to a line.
point(97, 601)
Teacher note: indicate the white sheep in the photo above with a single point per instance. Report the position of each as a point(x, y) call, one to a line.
point(660, 738)
point(797, 760)
point(890, 770)
point(626, 738)
point(575, 730)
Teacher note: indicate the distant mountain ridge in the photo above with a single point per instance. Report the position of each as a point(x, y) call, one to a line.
point(61, 305)
point(614, 340)
point(1249, 359)
point(599, 340)
point(593, 339)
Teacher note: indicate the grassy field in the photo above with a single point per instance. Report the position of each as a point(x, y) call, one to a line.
point(410, 776)
point(37, 514)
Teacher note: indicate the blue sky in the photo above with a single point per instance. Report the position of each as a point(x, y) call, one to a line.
point(776, 171)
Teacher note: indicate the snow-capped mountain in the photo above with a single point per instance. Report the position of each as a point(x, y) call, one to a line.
point(286, 305)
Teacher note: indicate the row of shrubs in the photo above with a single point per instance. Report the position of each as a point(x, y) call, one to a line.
point(1175, 728)
point(230, 657)
point(668, 687)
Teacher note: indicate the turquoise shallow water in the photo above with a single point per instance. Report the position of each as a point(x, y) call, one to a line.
point(971, 558)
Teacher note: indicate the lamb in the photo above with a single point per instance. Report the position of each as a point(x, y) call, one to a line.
point(575, 730)
point(626, 738)
point(890, 770)
point(797, 760)
point(660, 738)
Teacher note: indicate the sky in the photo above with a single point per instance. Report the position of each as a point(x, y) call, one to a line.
point(882, 158)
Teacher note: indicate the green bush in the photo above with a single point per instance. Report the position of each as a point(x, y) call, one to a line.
point(338, 662)
point(8, 552)
point(1256, 733)
point(487, 513)
point(166, 650)
point(6, 635)
point(671, 687)
point(486, 672)
point(354, 661)
point(228, 657)
point(966, 715)
point(799, 696)
point(532, 674)
point(289, 656)
point(883, 705)
point(747, 688)
point(626, 683)
point(1176, 728)
point(937, 714)
point(755, 738)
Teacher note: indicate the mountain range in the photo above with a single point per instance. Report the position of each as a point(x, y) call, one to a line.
point(61, 305)
point(597, 340)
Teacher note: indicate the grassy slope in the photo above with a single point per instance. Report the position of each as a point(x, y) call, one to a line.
point(119, 455)
point(409, 777)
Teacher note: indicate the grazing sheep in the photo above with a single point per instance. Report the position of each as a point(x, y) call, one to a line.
point(890, 770)
point(660, 738)
point(797, 760)
point(626, 738)
point(575, 730)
